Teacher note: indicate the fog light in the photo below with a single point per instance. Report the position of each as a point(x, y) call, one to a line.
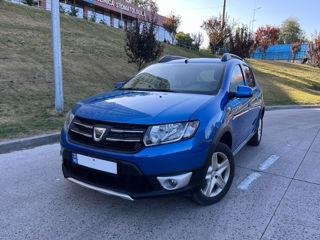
point(175, 182)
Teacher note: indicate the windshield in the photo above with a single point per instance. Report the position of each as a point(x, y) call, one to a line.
point(179, 77)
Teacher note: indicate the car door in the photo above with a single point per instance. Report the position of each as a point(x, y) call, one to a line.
point(254, 103)
point(240, 121)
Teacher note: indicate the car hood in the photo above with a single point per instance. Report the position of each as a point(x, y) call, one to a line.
point(140, 107)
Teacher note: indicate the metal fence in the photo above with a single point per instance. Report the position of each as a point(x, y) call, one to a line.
point(281, 52)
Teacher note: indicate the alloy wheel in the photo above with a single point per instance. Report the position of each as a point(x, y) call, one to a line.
point(217, 175)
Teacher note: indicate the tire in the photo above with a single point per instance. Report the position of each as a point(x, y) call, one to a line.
point(216, 178)
point(256, 139)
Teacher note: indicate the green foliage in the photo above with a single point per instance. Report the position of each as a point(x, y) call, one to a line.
point(142, 48)
point(184, 40)
point(93, 17)
point(29, 2)
point(291, 32)
point(73, 11)
point(61, 9)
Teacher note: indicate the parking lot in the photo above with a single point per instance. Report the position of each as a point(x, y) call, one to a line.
point(275, 195)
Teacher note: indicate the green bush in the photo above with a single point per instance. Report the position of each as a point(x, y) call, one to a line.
point(73, 11)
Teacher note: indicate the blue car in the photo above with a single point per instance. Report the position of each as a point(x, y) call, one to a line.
point(173, 128)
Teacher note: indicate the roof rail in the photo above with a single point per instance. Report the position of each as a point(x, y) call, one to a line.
point(229, 56)
point(169, 58)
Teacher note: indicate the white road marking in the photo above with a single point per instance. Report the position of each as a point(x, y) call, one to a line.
point(244, 185)
point(267, 163)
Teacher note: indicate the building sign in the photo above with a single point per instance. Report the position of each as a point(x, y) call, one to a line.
point(124, 7)
point(89, 1)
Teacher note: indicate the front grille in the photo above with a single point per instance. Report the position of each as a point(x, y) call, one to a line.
point(125, 138)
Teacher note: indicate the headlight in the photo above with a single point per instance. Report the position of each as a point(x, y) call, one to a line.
point(68, 121)
point(167, 133)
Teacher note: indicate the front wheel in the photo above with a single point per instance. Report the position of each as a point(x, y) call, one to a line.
point(218, 178)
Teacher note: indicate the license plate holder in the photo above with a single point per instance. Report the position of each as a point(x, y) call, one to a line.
point(95, 163)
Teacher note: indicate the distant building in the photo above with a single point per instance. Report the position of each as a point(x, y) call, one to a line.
point(110, 11)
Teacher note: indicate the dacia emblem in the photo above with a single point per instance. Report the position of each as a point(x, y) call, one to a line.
point(98, 133)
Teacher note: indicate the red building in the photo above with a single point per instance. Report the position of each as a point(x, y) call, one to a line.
point(115, 13)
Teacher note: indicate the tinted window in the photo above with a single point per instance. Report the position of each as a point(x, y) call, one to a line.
point(237, 79)
point(179, 77)
point(249, 76)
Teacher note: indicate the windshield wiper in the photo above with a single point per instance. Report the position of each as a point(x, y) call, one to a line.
point(148, 89)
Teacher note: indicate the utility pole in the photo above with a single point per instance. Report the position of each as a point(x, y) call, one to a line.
point(224, 13)
point(57, 59)
point(254, 15)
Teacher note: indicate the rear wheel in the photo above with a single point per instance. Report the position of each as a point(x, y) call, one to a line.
point(256, 139)
point(218, 178)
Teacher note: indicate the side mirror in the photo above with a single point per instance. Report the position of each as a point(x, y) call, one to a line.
point(119, 85)
point(243, 92)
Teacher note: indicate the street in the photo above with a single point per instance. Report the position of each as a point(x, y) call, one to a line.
point(275, 195)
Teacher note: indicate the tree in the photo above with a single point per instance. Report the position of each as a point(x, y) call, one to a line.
point(314, 52)
point(295, 48)
point(184, 40)
point(267, 36)
point(197, 39)
point(291, 32)
point(242, 42)
point(217, 31)
point(171, 25)
point(150, 5)
point(73, 11)
point(142, 48)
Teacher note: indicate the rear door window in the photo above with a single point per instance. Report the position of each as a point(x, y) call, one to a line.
point(249, 76)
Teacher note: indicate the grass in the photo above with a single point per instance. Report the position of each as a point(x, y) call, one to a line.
point(287, 83)
point(93, 62)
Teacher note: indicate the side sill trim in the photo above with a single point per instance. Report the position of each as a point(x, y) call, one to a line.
point(243, 143)
point(102, 190)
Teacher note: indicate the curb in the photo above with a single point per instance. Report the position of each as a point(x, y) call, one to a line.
point(30, 142)
point(36, 141)
point(288, 107)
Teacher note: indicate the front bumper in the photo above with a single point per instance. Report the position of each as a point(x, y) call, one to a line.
point(137, 173)
point(130, 183)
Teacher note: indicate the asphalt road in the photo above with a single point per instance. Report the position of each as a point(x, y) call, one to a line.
point(275, 195)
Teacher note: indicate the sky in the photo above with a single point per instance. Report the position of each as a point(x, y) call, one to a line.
point(271, 12)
